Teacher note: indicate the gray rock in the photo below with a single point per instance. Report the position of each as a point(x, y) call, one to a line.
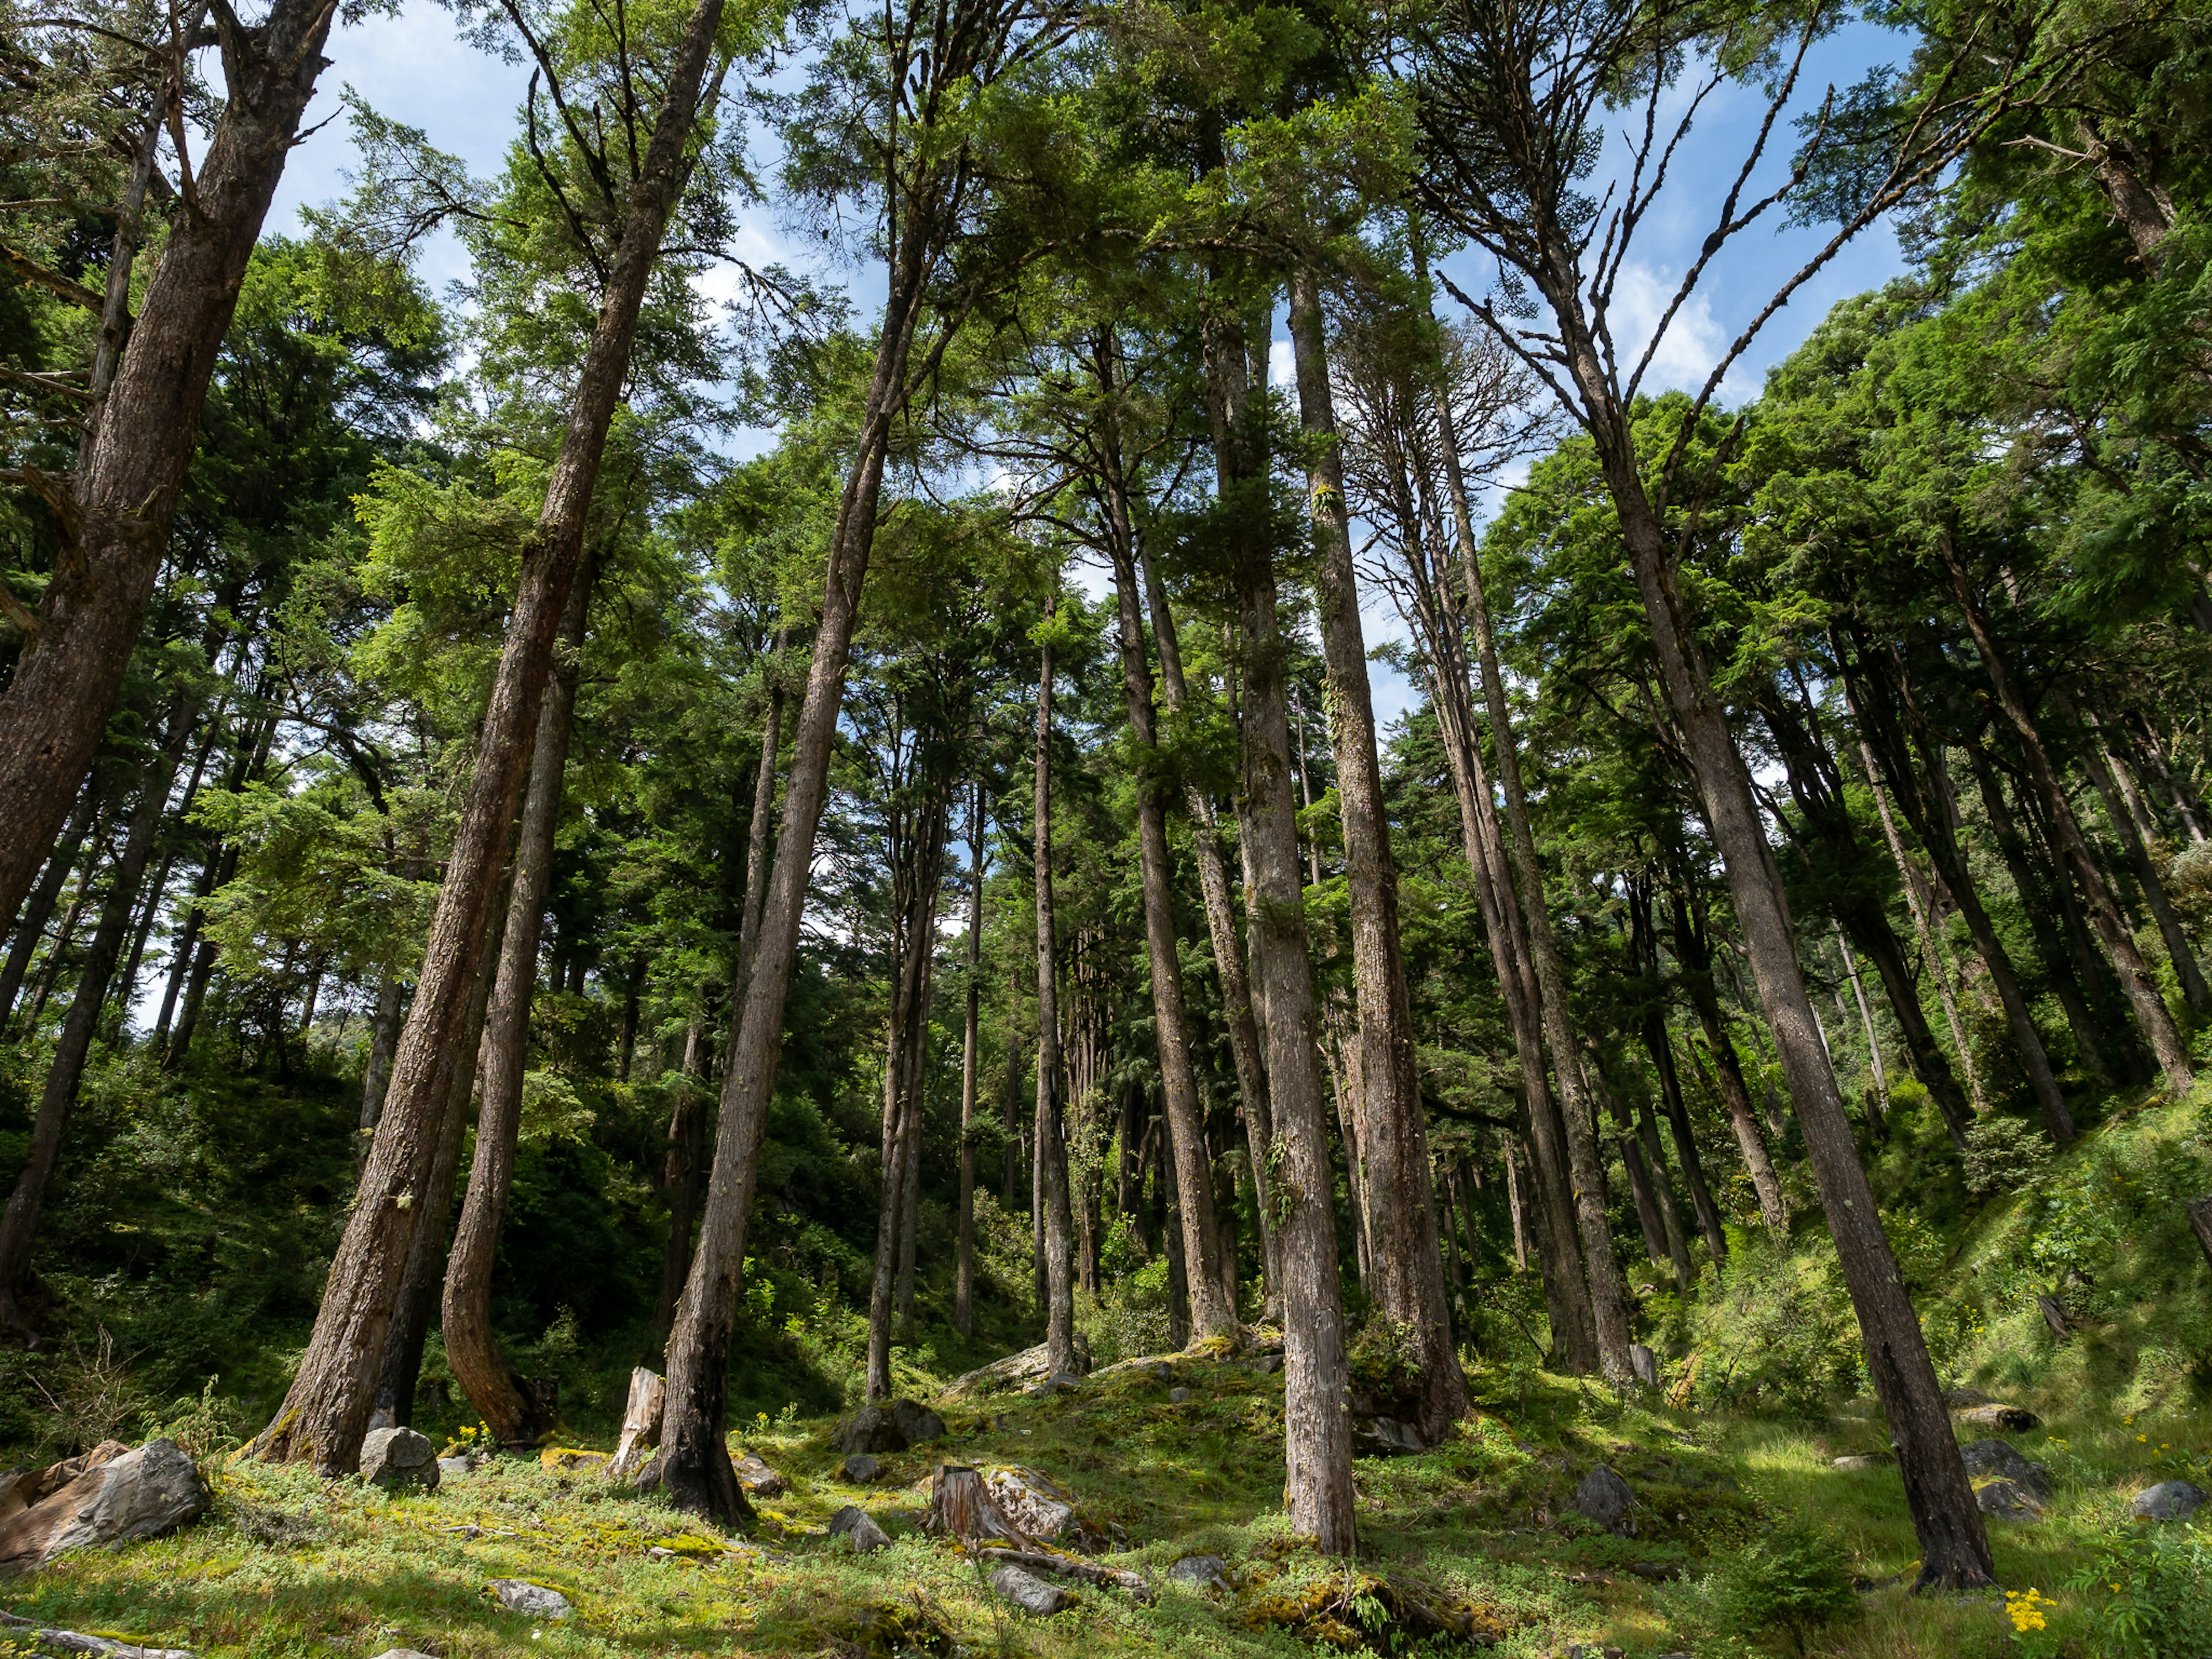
point(1041, 1507)
point(2169, 1500)
point(140, 1494)
point(531, 1600)
point(398, 1458)
point(1864, 1461)
point(1032, 1595)
point(859, 1469)
point(1201, 1573)
point(758, 1479)
point(871, 1428)
point(1267, 1363)
point(1644, 1363)
point(1991, 1415)
point(2007, 1500)
point(1385, 1436)
point(1177, 1396)
point(451, 1468)
point(916, 1423)
point(1606, 1499)
point(401, 1653)
point(1999, 1458)
point(1160, 1370)
point(856, 1524)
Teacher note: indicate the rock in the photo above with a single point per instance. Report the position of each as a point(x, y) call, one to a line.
point(1644, 1363)
point(398, 1458)
point(1267, 1363)
point(1998, 1457)
point(859, 1469)
point(1606, 1499)
point(917, 1422)
point(451, 1468)
point(1991, 1415)
point(1863, 1461)
point(1385, 1436)
point(2169, 1500)
point(401, 1653)
point(758, 1479)
point(856, 1524)
point(76, 1641)
point(2007, 1500)
point(22, 1487)
point(573, 1457)
point(1032, 1595)
point(1657, 1572)
point(140, 1494)
point(1030, 1365)
point(534, 1600)
point(1178, 1396)
point(1160, 1370)
point(1202, 1572)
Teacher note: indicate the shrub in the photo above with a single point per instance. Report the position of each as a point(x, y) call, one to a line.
point(2150, 1593)
point(1791, 1582)
point(2003, 1154)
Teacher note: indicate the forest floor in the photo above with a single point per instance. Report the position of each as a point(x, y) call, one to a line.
point(1482, 1529)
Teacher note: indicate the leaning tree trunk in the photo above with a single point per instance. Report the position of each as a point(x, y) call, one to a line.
point(19, 1221)
point(694, 1464)
point(1407, 1262)
point(517, 1413)
point(1051, 1146)
point(1213, 1311)
point(327, 1407)
point(1237, 1015)
point(1954, 1547)
point(1692, 950)
point(2136, 978)
point(115, 521)
point(30, 928)
point(1317, 1443)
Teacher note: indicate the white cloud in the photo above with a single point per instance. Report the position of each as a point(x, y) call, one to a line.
point(1282, 367)
point(1688, 350)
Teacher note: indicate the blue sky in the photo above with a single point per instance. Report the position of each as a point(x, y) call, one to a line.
point(411, 68)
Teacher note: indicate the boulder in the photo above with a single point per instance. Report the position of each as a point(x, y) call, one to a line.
point(917, 1422)
point(2169, 1500)
point(139, 1494)
point(2006, 1500)
point(396, 1459)
point(1268, 1364)
point(1991, 1415)
point(451, 1468)
point(871, 1428)
point(77, 1641)
point(401, 1653)
point(532, 1601)
point(1059, 1382)
point(2000, 1459)
point(1385, 1436)
point(1178, 1396)
point(859, 1469)
point(1030, 1365)
point(1041, 1507)
point(571, 1458)
point(857, 1525)
point(1032, 1595)
point(22, 1487)
point(1608, 1499)
point(1201, 1573)
point(1644, 1363)
point(1858, 1461)
point(758, 1479)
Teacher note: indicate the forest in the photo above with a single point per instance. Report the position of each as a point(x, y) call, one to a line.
point(1226, 827)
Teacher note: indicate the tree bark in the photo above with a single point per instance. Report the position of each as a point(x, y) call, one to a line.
point(1866, 1023)
point(1408, 1279)
point(1316, 1431)
point(685, 1144)
point(376, 1068)
point(2136, 978)
point(115, 526)
point(964, 1283)
point(517, 1413)
point(1051, 1146)
point(1692, 952)
point(323, 1415)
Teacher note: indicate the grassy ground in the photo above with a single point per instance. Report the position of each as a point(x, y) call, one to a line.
point(1482, 1526)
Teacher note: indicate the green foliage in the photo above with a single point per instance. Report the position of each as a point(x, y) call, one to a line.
point(1789, 1583)
point(1777, 1328)
point(2149, 1592)
point(2004, 1155)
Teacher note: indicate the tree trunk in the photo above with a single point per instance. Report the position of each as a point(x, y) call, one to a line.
point(964, 1283)
point(1316, 1431)
point(19, 1221)
point(1237, 1015)
point(1954, 1548)
point(1866, 1022)
point(681, 1158)
point(376, 1068)
point(1213, 1313)
point(115, 525)
point(2136, 978)
point(517, 1413)
point(1407, 1260)
point(324, 1413)
point(1051, 1145)
point(30, 928)
point(1670, 1216)
point(1692, 950)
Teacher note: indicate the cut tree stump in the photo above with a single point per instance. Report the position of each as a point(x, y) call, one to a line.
point(641, 1427)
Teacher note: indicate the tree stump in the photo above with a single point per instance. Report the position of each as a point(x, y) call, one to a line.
point(961, 1506)
point(641, 1427)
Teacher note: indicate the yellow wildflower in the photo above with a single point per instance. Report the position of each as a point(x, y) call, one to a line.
point(2024, 1608)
